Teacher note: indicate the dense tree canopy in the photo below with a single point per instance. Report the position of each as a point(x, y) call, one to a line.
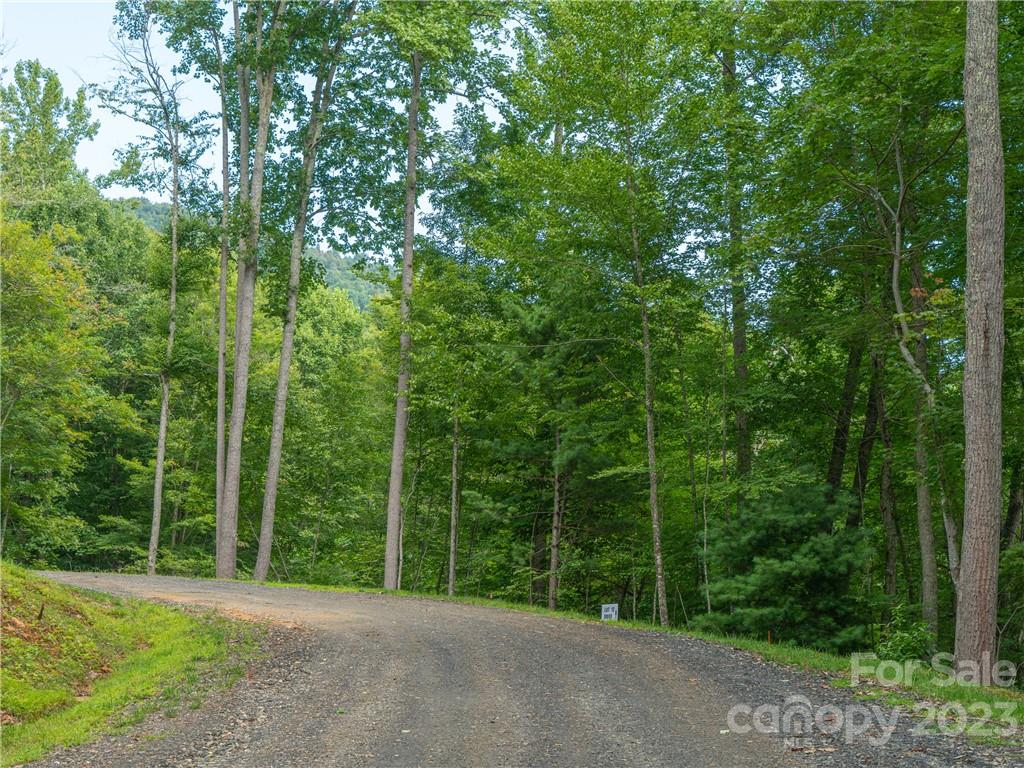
point(685, 326)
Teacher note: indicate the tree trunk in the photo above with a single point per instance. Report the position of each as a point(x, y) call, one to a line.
point(925, 533)
point(252, 199)
point(283, 372)
point(394, 522)
point(917, 362)
point(227, 541)
point(887, 499)
point(659, 568)
point(867, 441)
point(737, 276)
point(453, 534)
point(704, 506)
point(844, 413)
point(1015, 509)
point(321, 102)
point(978, 597)
point(556, 533)
point(175, 518)
point(538, 581)
point(691, 461)
point(222, 288)
point(227, 524)
point(165, 373)
point(652, 470)
point(724, 447)
point(158, 473)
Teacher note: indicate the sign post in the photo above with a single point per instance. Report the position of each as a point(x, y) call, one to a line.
point(610, 612)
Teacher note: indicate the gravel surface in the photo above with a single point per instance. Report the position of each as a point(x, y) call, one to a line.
point(358, 680)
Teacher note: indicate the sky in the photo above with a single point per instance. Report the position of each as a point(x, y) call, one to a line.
point(73, 39)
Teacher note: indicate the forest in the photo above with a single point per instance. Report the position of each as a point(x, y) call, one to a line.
point(695, 307)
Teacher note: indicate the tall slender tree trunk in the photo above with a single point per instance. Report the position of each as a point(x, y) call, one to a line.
point(867, 439)
point(690, 448)
point(538, 582)
point(319, 105)
point(227, 543)
point(933, 436)
point(724, 442)
point(844, 413)
point(978, 596)
point(392, 544)
point(227, 525)
point(925, 532)
point(222, 292)
point(1015, 508)
point(453, 533)
point(251, 196)
point(652, 471)
point(283, 373)
point(917, 362)
point(175, 519)
point(887, 498)
point(556, 531)
point(158, 472)
point(652, 467)
point(737, 275)
point(165, 371)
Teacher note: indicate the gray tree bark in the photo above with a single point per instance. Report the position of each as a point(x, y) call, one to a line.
point(652, 468)
point(165, 378)
point(251, 196)
point(283, 372)
point(319, 105)
point(887, 495)
point(222, 288)
point(538, 582)
point(225, 544)
point(925, 532)
point(659, 566)
point(867, 440)
point(170, 128)
point(737, 277)
point(453, 533)
point(976, 631)
point(1015, 508)
point(556, 532)
point(392, 544)
point(917, 362)
point(844, 413)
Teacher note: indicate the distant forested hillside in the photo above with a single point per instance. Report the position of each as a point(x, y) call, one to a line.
point(154, 215)
point(340, 272)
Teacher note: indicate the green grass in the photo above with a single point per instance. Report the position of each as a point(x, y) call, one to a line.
point(76, 664)
point(925, 685)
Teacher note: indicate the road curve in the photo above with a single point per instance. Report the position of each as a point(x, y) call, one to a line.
point(394, 682)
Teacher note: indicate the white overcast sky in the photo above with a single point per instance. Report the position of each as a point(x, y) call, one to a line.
point(73, 38)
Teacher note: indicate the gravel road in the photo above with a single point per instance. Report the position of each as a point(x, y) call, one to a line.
point(359, 680)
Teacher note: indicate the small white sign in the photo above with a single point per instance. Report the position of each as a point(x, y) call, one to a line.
point(610, 612)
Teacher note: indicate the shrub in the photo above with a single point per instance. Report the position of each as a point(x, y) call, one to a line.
point(904, 638)
point(784, 566)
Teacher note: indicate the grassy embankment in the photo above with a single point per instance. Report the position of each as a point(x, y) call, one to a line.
point(75, 664)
